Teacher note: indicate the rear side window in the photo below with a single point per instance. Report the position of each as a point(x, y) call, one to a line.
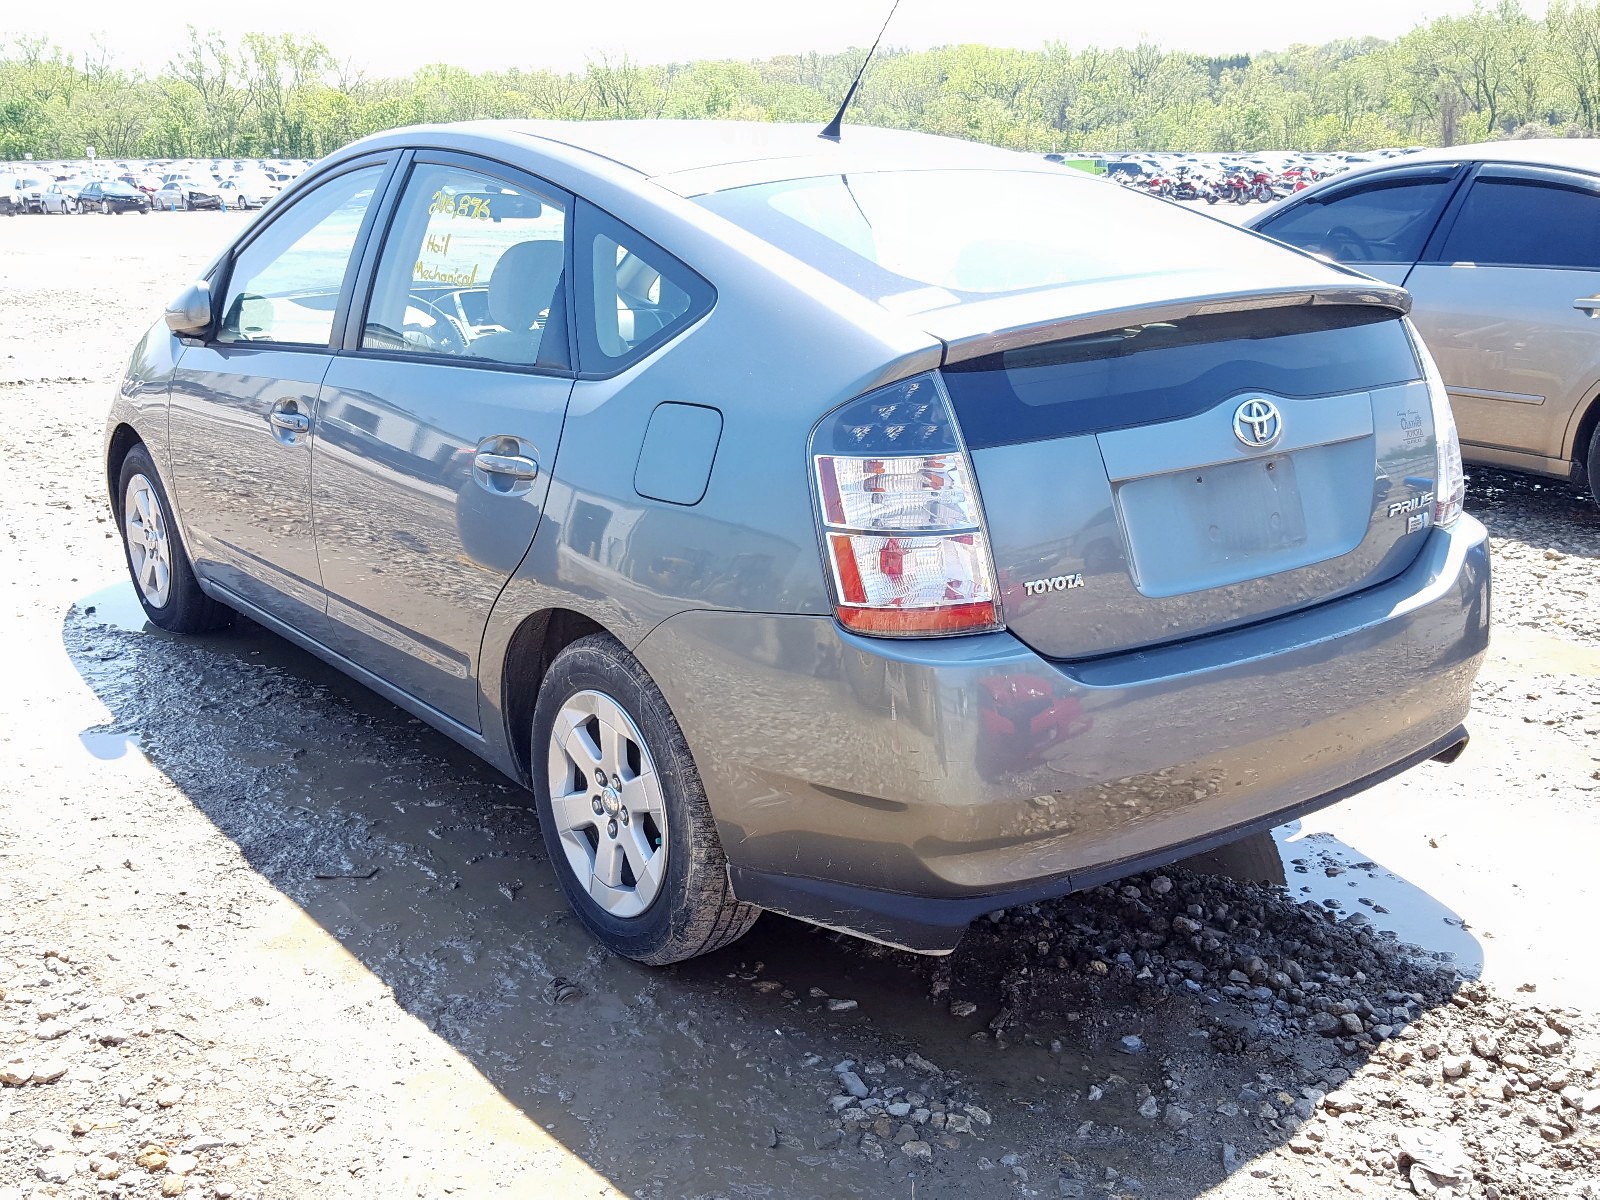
point(472, 268)
point(1162, 371)
point(284, 286)
point(1527, 223)
point(1383, 222)
point(632, 295)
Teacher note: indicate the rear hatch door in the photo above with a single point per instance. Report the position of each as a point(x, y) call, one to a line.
point(1169, 468)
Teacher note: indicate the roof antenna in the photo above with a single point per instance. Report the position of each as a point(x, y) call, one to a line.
point(831, 130)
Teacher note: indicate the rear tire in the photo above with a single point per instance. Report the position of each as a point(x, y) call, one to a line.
point(599, 715)
point(158, 562)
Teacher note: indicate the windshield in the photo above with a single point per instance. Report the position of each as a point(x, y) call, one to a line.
point(920, 240)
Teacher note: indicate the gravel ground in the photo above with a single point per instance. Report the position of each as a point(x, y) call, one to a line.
point(263, 935)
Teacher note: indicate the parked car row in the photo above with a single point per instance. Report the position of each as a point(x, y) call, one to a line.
point(174, 186)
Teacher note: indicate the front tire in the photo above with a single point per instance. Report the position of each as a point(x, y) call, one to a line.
point(158, 562)
point(1594, 466)
point(623, 813)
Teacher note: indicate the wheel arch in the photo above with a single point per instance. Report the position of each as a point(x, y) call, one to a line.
point(1583, 436)
point(123, 439)
point(532, 648)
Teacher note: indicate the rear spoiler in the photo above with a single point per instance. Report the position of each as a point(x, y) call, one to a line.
point(989, 326)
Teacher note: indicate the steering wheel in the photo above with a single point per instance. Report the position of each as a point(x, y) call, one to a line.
point(1347, 244)
point(455, 342)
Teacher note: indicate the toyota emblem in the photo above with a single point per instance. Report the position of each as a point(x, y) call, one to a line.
point(1257, 423)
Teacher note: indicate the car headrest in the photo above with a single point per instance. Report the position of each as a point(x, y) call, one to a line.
point(524, 283)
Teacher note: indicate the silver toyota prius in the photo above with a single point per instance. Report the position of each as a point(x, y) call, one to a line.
point(878, 529)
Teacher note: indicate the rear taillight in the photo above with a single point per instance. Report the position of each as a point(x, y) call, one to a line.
point(902, 526)
point(1450, 482)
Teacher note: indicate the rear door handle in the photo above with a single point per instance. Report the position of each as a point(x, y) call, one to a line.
point(514, 465)
point(1588, 304)
point(289, 422)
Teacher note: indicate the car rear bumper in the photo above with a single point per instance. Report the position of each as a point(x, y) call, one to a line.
point(897, 789)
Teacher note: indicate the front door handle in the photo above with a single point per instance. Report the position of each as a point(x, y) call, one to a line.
point(516, 466)
point(289, 421)
point(1588, 304)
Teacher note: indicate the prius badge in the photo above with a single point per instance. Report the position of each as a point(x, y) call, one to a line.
point(1257, 423)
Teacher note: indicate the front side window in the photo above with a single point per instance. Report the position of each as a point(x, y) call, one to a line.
point(635, 296)
point(1385, 221)
point(472, 268)
point(284, 286)
point(1525, 223)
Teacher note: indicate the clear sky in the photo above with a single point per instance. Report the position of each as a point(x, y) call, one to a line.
point(397, 36)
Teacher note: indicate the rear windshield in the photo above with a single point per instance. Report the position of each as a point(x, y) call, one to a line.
point(1166, 370)
point(914, 241)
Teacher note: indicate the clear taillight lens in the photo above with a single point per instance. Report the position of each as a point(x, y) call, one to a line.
point(902, 526)
point(1450, 479)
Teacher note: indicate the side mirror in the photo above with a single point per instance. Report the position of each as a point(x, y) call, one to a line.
point(189, 313)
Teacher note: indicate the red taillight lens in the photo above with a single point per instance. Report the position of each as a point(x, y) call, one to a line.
point(904, 533)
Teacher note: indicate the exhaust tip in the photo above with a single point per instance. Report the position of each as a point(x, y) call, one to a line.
point(1453, 751)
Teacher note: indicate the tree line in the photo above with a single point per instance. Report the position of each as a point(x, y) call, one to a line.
point(1494, 72)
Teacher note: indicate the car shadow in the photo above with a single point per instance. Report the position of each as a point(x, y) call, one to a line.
point(712, 1077)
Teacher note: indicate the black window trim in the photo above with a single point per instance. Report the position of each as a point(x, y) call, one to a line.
point(1570, 178)
point(348, 341)
point(1455, 173)
point(593, 221)
point(222, 274)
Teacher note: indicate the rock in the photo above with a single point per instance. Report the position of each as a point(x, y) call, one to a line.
point(1132, 1044)
point(152, 1158)
point(1549, 1041)
point(852, 1083)
point(962, 1008)
point(1432, 1158)
point(173, 1185)
point(1590, 1102)
point(837, 1005)
point(871, 1147)
point(58, 1168)
point(1351, 1024)
point(15, 1072)
point(1176, 1117)
point(1151, 1108)
point(1160, 885)
point(899, 1109)
point(50, 1070)
point(1325, 1024)
point(906, 1133)
point(48, 1031)
point(1455, 1066)
point(979, 1115)
point(917, 1150)
point(223, 1191)
point(170, 1097)
point(1302, 1145)
point(957, 1123)
point(1230, 1158)
point(183, 1164)
point(53, 1140)
point(917, 1062)
point(111, 1036)
point(1342, 1101)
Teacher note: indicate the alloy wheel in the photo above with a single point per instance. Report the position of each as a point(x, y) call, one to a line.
point(144, 526)
point(607, 803)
